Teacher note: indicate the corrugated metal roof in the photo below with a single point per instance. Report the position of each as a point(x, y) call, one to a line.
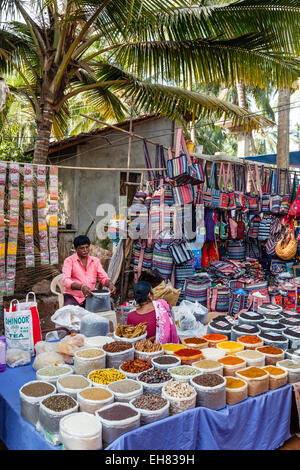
point(74, 140)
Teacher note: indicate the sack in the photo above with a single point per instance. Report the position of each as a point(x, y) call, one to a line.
point(286, 248)
point(294, 210)
point(180, 252)
point(18, 327)
point(167, 292)
point(218, 299)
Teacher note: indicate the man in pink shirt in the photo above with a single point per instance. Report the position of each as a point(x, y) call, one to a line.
point(81, 273)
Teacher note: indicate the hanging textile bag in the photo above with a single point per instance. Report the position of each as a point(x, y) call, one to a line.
point(236, 250)
point(224, 227)
point(264, 228)
point(231, 193)
point(162, 259)
point(294, 210)
point(196, 290)
point(180, 252)
point(254, 226)
point(253, 198)
point(266, 197)
point(233, 226)
point(218, 299)
point(142, 257)
point(277, 266)
point(215, 191)
point(271, 244)
point(183, 194)
point(276, 198)
point(206, 191)
point(238, 301)
point(224, 198)
point(213, 252)
point(286, 197)
point(240, 187)
point(180, 168)
point(240, 230)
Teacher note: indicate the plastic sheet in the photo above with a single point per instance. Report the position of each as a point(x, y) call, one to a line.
point(45, 359)
point(69, 317)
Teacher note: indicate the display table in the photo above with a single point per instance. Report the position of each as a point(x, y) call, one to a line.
point(258, 423)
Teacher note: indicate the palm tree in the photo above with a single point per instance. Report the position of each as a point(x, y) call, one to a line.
point(108, 50)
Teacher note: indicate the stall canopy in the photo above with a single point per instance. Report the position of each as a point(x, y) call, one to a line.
point(271, 158)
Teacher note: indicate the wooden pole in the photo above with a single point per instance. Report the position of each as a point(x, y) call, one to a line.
point(122, 130)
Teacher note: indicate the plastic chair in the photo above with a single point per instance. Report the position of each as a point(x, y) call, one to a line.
point(56, 283)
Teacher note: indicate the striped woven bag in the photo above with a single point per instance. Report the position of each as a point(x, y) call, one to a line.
point(196, 290)
point(162, 259)
point(218, 299)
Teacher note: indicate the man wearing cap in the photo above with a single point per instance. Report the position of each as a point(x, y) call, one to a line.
point(81, 272)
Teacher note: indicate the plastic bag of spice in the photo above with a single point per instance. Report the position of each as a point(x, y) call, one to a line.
point(92, 399)
point(151, 407)
point(31, 394)
point(116, 419)
point(81, 431)
point(181, 396)
point(115, 357)
point(88, 359)
point(211, 391)
point(154, 380)
point(125, 390)
point(257, 382)
point(52, 409)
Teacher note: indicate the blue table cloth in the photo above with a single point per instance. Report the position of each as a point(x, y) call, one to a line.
point(258, 423)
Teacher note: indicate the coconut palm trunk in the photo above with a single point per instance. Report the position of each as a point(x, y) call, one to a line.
point(283, 129)
point(244, 139)
point(44, 128)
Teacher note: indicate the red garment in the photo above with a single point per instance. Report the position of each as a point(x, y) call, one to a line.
point(135, 318)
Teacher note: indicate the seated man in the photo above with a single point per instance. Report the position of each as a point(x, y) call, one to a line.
point(81, 273)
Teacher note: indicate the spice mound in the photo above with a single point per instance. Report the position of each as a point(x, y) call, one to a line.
point(185, 370)
point(274, 370)
point(155, 376)
point(166, 360)
point(89, 353)
point(231, 382)
point(59, 402)
point(207, 364)
point(173, 347)
point(106, 376)
point(116, 346)
point(250, 354)
point(188, 352)
point(148, 401)
point(94, 393)
point(208, 380)
point(249, 339)
point(195, 340)
point(230, 345)
point(231, 360)
point(74, 381)
point(52, 371)
point(179, 389)
point(147, 346)
point(117, 413)
point(130, 331)
point(252, 372)
point(215, 337)
point(289, 364)
point(124, 386)
point(270, 350)
point(135, 366)
point(37, 389)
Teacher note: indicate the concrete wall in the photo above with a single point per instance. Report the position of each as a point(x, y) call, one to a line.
point(83, 191)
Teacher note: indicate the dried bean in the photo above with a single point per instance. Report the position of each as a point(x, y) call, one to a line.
point(179, 389)
point(155, 376)
point(148, 401)
point(208, 380)
point(59, 402)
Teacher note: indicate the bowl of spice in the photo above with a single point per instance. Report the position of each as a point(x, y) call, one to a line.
point(278, 376)
point(31, 395)
point(52, 409)
point(208, 366)
point(166, 362)
point(153, 380)
point(252, 358)
point(236, 390)
point(52, 373)
point(230, 347)
point(272, 354)
point(125, 390)
point(147, 350)
point(133, 367)
point(214, 338)
point(210, 389)
point(292, 368)
point(72, 384)
point(250, 341)
point(103, 377)
point(151, 407)
point(92, 399)
point(88, 359)
point(81, 431)
point(171, 348)
point(181, 396)
point(194, 342)
point(183, 373)
point(118, 352)
point(257, 379)
point(188, 355)
point(116, 419)
point(231, 364)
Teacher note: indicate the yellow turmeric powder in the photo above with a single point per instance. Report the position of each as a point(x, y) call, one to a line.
point(231, 382)
point(274, 370)
point(252, 372)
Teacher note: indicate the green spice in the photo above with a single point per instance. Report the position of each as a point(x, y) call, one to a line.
point(182, 370)
point(52, 371)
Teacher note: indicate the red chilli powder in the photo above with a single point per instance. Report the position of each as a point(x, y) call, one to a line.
point(188, 352)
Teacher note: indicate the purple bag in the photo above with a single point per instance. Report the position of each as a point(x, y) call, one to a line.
point(209, 224)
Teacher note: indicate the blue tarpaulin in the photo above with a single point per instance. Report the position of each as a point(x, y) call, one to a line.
point(271, 158)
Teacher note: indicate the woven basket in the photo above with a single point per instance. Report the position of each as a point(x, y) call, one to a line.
point(286, 248)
